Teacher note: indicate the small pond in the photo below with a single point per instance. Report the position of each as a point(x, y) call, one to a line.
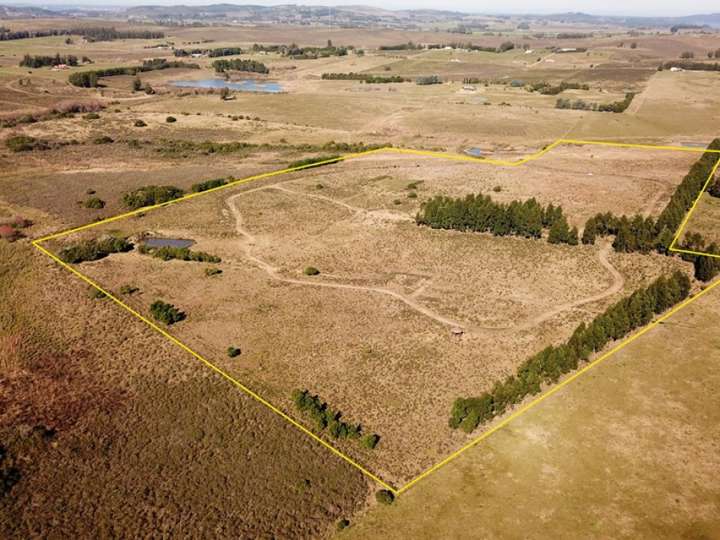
point(168, 242)
point(248, 85)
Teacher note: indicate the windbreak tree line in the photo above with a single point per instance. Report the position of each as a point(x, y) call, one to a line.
point(89, 33)
point(547, 366)
point(89, 79)
point(479, 213)
point(239, 64)
point(212, 53)
point(645, 234)
point(364, 77)
point(37, 61)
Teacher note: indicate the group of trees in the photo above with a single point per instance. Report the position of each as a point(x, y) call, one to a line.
point(89, 79)
point(645, 234)
point(549, 365)
point(548, 89)
point(479, 213)
point(239, 64)
point(94, 249)
point(212, 53)
point(327, 418)
point(166, 313)
point(302, 53)
point(40, 61)
point(706, 267)
point(89, 33)
point(614, 107)
point(167, 253)
point(692, 66)
point(427, 79)
point(150, 195)
point(364, 77)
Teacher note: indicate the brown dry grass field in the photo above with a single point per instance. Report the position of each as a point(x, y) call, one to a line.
point(628, 451)
point(116, 432)
point(371, 333)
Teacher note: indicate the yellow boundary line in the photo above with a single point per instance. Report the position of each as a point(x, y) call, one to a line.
point(456, 157)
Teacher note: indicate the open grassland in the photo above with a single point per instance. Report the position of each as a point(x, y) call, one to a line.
point(91, 399)
point(372, 333)
point(630, 450)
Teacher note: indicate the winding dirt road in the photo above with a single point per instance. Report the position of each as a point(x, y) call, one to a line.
point(248, 242)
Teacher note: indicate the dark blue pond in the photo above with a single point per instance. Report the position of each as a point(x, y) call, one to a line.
point(248, 85)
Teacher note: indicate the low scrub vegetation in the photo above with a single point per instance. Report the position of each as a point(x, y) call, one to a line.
point(167, 253)
point(328, 419)
point(93, 250)
point(317, 161)
point(208, 184)
point(547, 366)
point(166, 313)
point(25, 143)
point(150, 195)
point(614, 107)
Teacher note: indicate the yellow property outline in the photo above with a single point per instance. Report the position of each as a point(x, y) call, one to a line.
point(457, 157)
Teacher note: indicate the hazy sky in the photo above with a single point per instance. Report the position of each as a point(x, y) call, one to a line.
point(648, 8)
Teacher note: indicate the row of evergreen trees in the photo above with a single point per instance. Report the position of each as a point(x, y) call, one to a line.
point(89, 79)
point(38, 61)
point(645, 234)
point(212, 53)
point(90, 33)
point(239, 64)
point(547, 366)
point(479, 213)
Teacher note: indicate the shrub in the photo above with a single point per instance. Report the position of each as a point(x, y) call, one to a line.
point(92, 250)
point(103, 140)
point(171, 119)
point(166, 313)
point(167, 253)
point(232, 352)
point(95, 203)
point(9, 233)
point(212, 271)
point(343, 524)
point(208, 184)
point(150, 195)
point(370, 441)
point(140, 123)
point(25, 143)
point(91, 116)
point(318, 161)
point(311, 271)
point(127, 290)
point(385, 496)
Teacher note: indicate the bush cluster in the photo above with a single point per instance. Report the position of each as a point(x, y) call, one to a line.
point(166, 313)
point(212, 53)
point(150, 195)
point(168, 253)
point(549, 365)
point(37, 61)
point(93, 250)
point(479, 213)
point(208, 184)
point(317, 161)
point(327, 418)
